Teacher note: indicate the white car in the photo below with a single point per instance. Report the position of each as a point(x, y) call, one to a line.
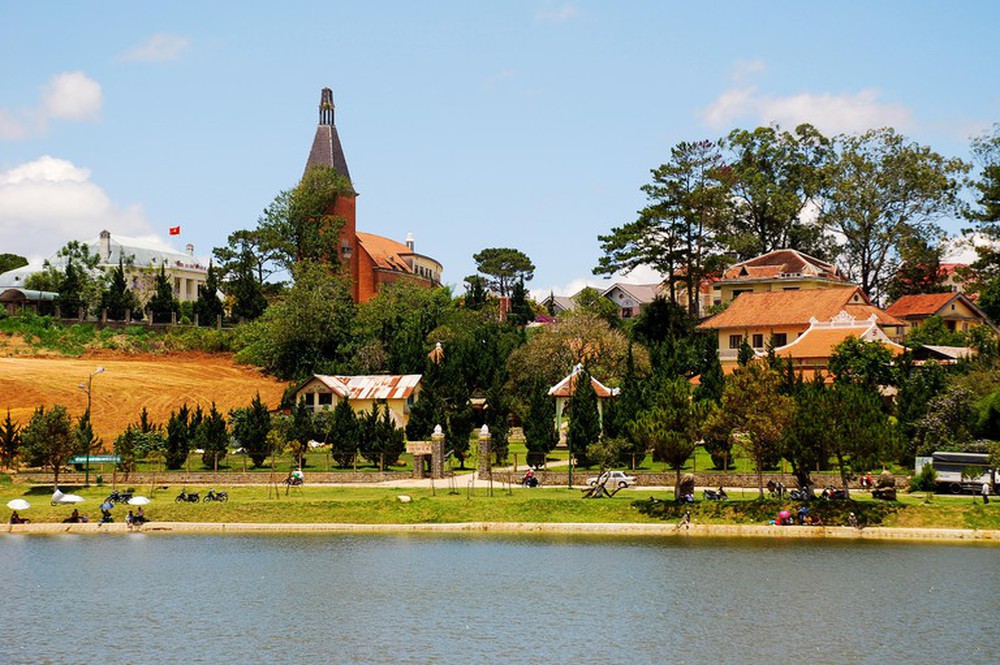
point(614, 479)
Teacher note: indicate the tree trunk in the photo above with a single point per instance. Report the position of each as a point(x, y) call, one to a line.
point(843, 476)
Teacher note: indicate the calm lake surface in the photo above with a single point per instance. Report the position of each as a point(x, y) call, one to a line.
point(493, 599)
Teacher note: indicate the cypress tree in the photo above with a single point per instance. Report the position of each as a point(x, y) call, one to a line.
point(212, 436)
point(162, 304)
point(539, 425)
point(585, 423)
point(178, 438)
point(118, 299)
point(343, 434)
point(209, 307)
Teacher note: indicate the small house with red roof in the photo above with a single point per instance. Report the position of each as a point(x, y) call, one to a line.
point(370, 260)
point(957, 310)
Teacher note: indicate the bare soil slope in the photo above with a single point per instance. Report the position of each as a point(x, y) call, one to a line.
point(161, 383)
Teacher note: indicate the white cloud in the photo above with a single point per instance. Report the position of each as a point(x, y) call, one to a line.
point(552, 14)
point(830, 113)
point(72, 96)
point(158, 48)
point(12, 128)
point(745, 69)
point(962, 249)
point(67, 96)
point(47, 202)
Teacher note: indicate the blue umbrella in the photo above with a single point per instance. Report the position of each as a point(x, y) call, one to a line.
point(107, 505)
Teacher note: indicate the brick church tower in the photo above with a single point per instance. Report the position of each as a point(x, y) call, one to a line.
point(327, 151)
point(371, 261)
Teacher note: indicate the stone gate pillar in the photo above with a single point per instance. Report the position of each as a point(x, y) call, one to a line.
point(485, 466)
point(437, 453)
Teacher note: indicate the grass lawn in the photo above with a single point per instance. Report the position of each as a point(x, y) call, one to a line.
point(379, 505)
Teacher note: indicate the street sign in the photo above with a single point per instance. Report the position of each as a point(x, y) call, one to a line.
point(418, 447)
point(96, 459)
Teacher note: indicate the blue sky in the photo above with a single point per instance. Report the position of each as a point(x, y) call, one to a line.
point(470, 124)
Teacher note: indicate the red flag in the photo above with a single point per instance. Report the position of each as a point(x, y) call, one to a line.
point(175, 230)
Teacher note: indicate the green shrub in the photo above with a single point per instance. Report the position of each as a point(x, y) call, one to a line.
point(925, 481)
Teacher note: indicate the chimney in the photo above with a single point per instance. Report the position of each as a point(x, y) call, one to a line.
point(190, 249)
point(104, 245)
point(409, 241)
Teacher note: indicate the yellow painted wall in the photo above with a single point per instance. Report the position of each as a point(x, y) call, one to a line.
point(726, 290)
point(791, 333)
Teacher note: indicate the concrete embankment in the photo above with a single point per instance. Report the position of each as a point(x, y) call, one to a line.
point(580, 528)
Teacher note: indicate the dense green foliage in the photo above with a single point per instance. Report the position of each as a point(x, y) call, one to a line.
point(48, 440)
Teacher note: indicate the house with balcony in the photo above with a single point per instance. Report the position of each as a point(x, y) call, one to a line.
point(810, 352)
point(141, 258)
point(778, 318)
point(779, 270)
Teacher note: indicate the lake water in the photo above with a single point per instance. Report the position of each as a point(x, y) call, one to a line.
point(493, 599)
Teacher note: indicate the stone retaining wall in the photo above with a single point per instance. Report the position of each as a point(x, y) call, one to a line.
point(748, 480)
point(209, 478)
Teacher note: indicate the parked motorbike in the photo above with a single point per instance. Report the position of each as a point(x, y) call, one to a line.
point(716, 495)
point(833, 494)
point(292, 481)
point(184, 496)
point(216, 496)
point(529, 481)
point(799, 495)
point(118, 497)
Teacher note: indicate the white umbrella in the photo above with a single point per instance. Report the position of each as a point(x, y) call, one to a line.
point(139, 501)
point(18, 504)
point(60, 499)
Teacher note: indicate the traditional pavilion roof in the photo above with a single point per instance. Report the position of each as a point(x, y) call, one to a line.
point(822, 337)
point(326, 149)
point(567, 386)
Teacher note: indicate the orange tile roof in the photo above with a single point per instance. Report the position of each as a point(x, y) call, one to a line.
point(924, 304)
point(385, 253)
point(860, 312)
point(781, 308)
point(820, 342)
point(783, 262)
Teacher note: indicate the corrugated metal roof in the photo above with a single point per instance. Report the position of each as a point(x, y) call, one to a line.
point(372, 386)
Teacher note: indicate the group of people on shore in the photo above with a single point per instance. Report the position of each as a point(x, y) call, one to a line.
point(133, 519)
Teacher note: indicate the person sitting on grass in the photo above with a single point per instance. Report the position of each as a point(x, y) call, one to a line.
point(17, 519)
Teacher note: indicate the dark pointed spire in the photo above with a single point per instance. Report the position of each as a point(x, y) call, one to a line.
point(326, 148)
point(326, 107)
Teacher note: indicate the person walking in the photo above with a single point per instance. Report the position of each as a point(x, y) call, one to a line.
point(986, 493)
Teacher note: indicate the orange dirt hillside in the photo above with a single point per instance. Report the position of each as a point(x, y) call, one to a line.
point(160, 383)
